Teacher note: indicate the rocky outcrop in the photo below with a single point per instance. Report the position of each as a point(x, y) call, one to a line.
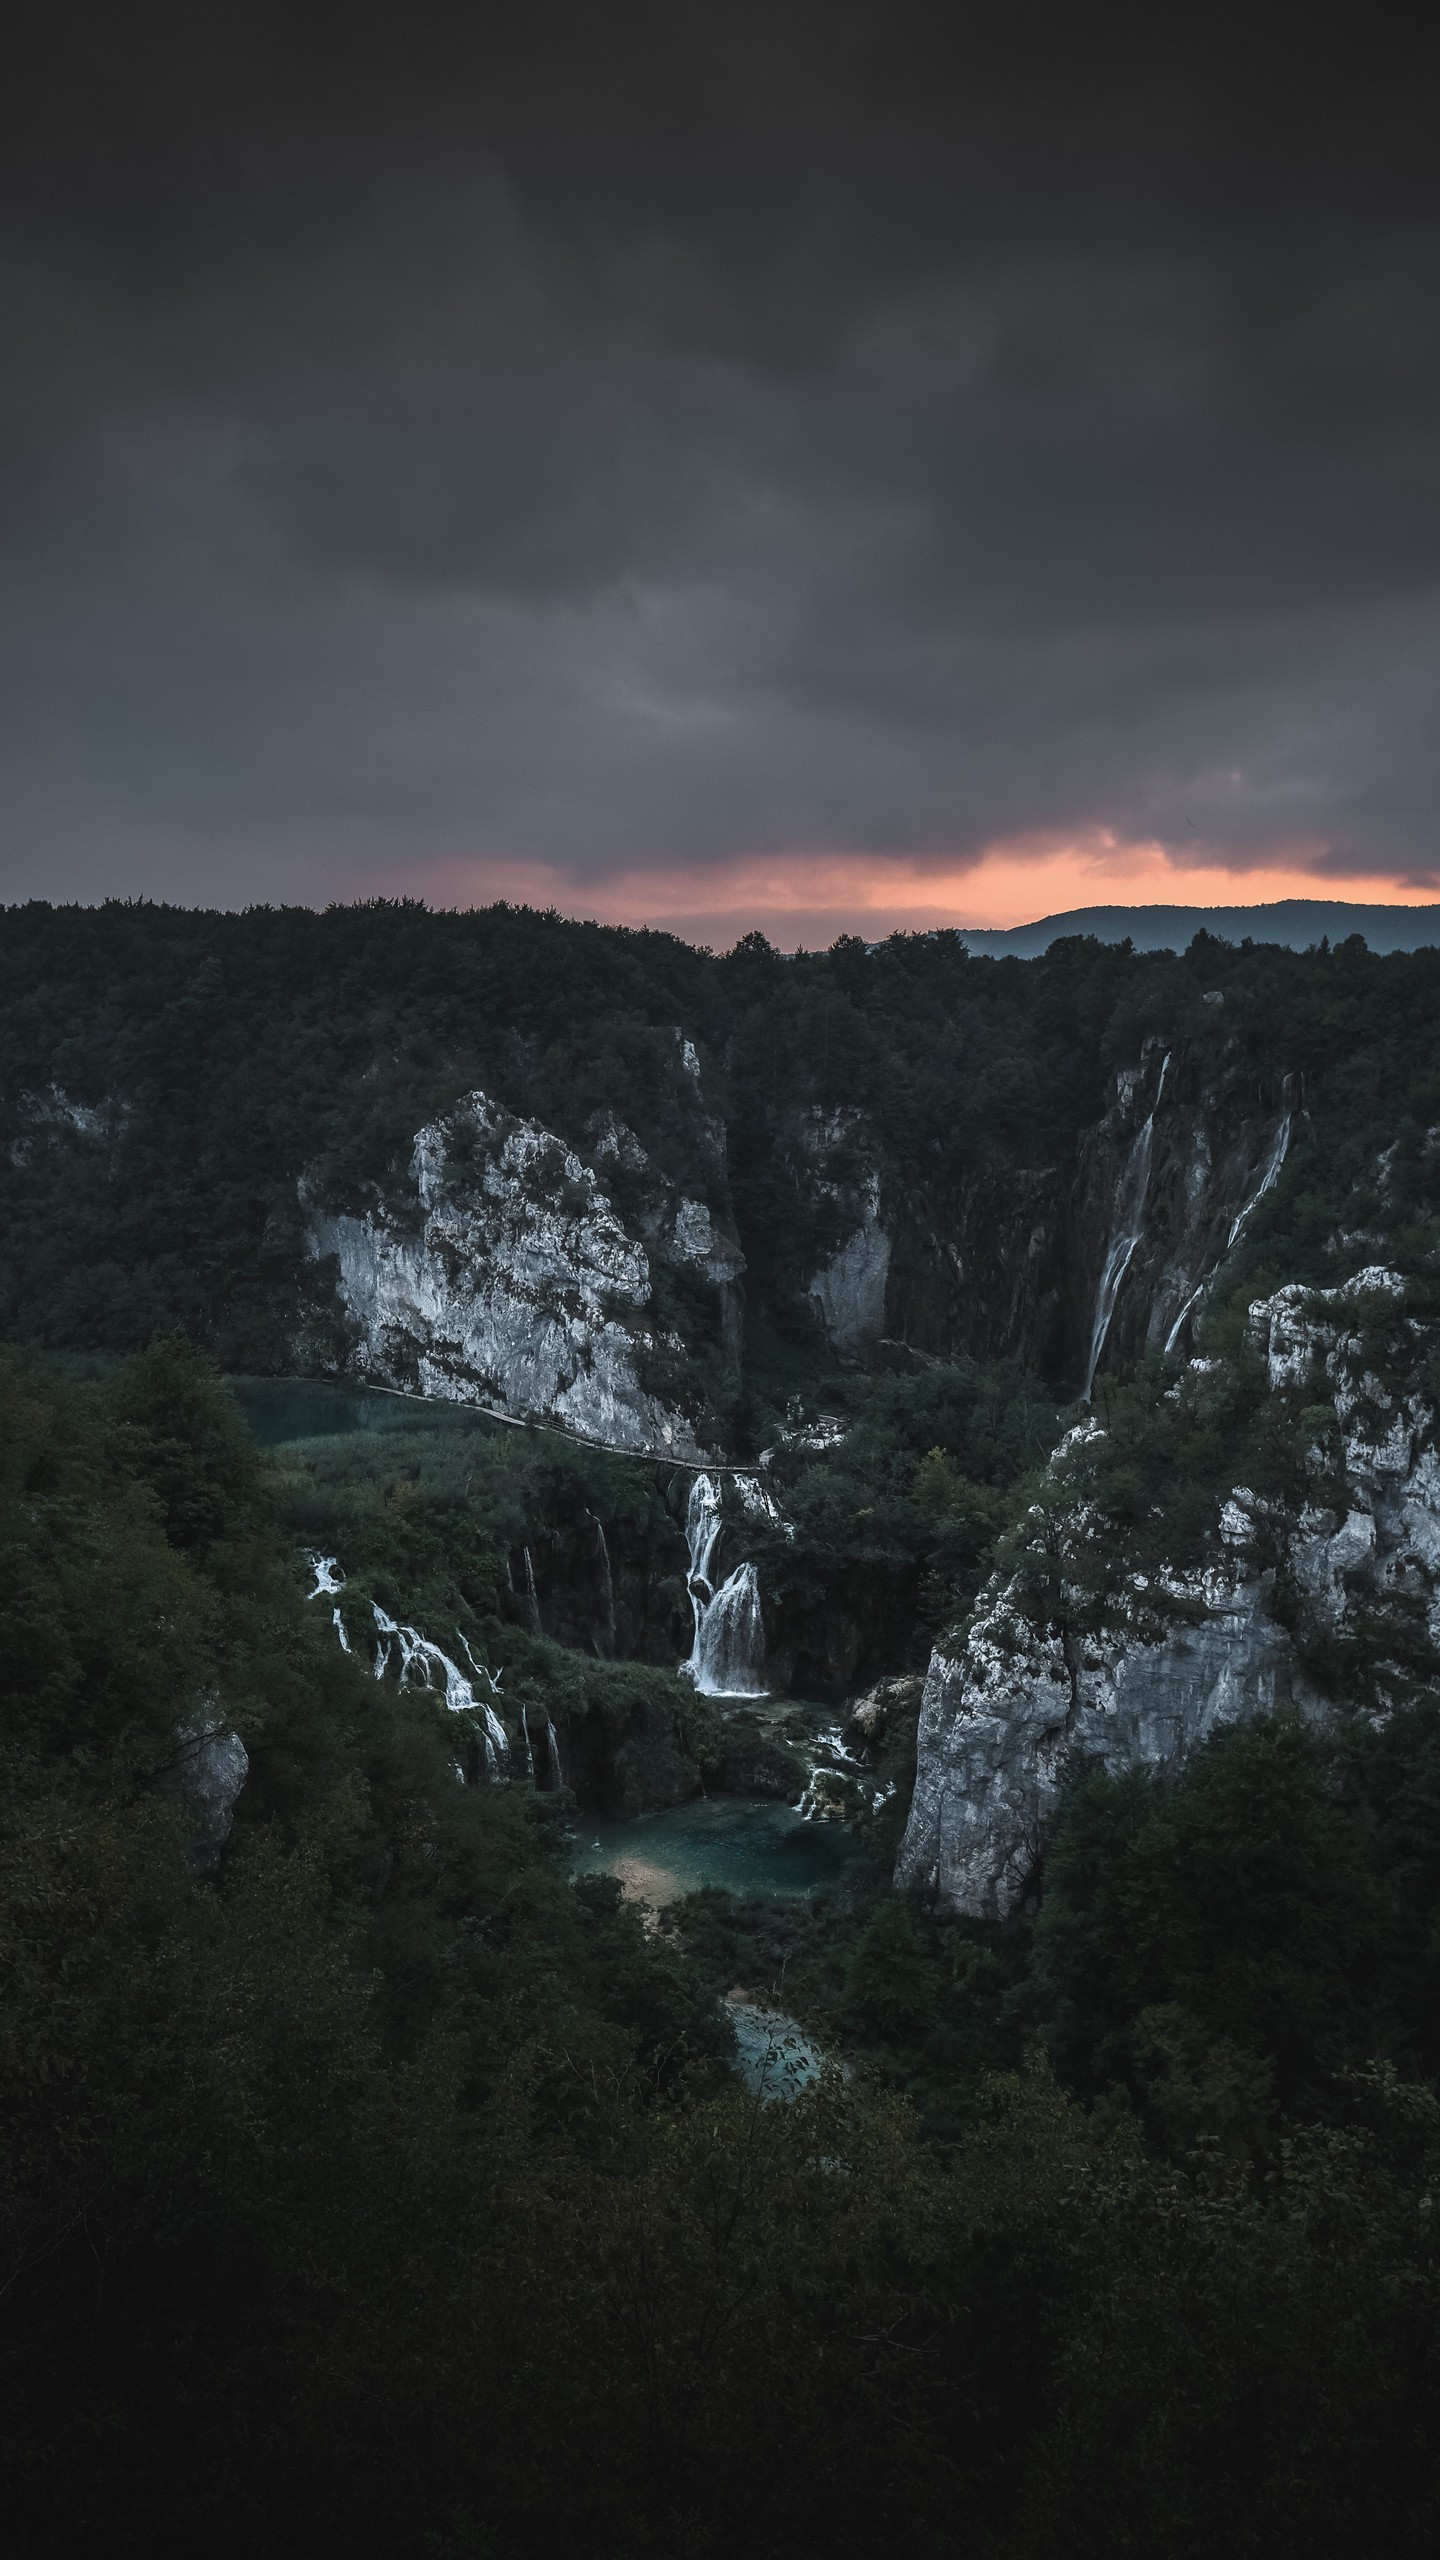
point(206, 1777)
point(832, 1159)
point(874, 1716)
point(508, 1279)
point(55, 1113)
point(1064, 1655)
point(998, 1722)
point(848, 1295)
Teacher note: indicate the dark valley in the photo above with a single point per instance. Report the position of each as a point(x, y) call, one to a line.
point(722, 1739)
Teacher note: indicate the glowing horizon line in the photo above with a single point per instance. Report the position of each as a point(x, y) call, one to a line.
point(1007, 885)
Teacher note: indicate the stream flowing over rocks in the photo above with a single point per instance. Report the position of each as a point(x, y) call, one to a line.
point(1053, 1662)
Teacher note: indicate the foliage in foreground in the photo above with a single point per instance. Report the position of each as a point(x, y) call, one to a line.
point(386, 2190)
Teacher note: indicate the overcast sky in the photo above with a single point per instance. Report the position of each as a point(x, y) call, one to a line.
point(719, 464)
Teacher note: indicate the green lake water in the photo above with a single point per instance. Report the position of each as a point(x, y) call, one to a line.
point(746, 1843)
point(281, 1409)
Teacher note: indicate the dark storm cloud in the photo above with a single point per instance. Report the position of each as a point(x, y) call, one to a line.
point(679, 433)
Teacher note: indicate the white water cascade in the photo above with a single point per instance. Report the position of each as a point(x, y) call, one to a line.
point(424, 1662)
point(1269, 1176)
point(1130, 1198)
point(552, 1755)
point(532, 1596)
point(604, 1641)
point(328, 1581)
point(727, 1658)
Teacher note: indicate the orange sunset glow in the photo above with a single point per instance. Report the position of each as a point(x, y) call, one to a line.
point(808, 897)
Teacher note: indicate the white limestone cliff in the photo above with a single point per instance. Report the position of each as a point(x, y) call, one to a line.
point(510, 1282)
point(1168, 1659)
point(849, 1293)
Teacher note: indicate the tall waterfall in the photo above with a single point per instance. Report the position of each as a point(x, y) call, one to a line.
point(1269, 1176)
point(1130, 1200)
point(532, 1596)
point(727, 1658)
point(604, 1640)
point(1269, 1171)
point(552, 1755)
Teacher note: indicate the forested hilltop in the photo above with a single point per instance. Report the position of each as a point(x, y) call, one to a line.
point(811, 1154)
point(476, 1383)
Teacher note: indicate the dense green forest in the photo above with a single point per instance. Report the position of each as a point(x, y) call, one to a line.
point(168, 1077)
point(371, 2177)
point(380, 2185)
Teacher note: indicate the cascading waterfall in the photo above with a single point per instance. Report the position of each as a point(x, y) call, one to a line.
point(727, 1658)
point(1269, 1171)
point(1269, 1176)
point(552, 1752)
point(731, 1640)
point(328, 1581)
point(532, 1596)
point(1130, 1201)
point(605, 1641)
point(529, 1752)
point(423, 1661)
point(702, 1532)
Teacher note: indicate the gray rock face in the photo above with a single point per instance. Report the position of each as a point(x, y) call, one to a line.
point(871, 1715)
point(1178, 1655)
point(1108, 1248)
point(849, 1294)
point(518, 1287)
point(1214, 1150)
point(207, 1775)
point(997, 1722)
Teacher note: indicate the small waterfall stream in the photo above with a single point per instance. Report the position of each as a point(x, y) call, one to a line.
point(727, 1658)
point(532, 1596)
point(1130, 1198)
point(604, 1640)
point(1269, 1176)
point(423, 1662)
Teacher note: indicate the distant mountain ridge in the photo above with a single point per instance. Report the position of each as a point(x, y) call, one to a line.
point(1298, 923)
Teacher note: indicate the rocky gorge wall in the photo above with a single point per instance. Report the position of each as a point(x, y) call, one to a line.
point(999, 1255)
point(1015, 1261)
point(508, 1278)
point(1324, 1595)
point(514, 1271)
